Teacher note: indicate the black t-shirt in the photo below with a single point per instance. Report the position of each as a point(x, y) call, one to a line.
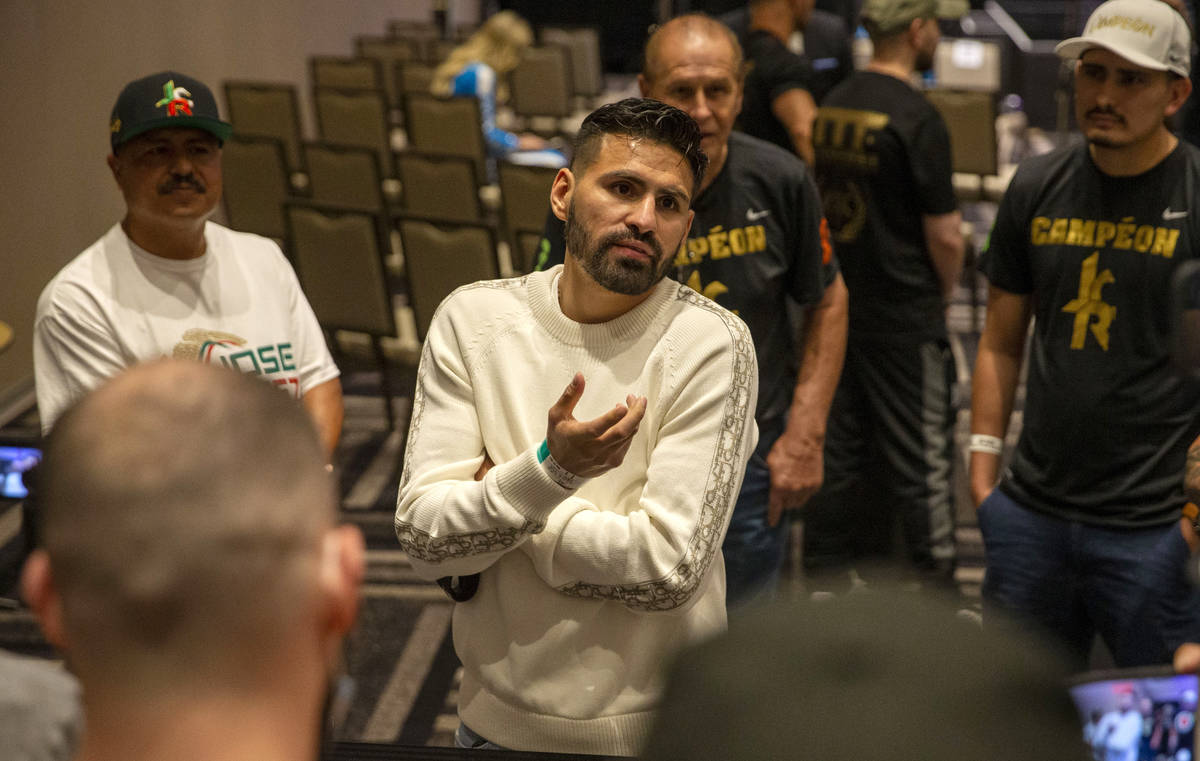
point(1107, 420)
point(758, 246)
point(772, 71)
point(883, 161)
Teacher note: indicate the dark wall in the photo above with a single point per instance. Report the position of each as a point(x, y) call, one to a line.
point(623, 24)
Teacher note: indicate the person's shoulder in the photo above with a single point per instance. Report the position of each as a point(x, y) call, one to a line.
point(827, 25)
point(482, 300)
point(701, 320)
point(752, 157)
point(249, 249)
point(1043, 168)
point(91, 269)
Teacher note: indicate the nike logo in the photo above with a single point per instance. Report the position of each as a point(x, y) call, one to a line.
point(1168, 215)
point(754, 216)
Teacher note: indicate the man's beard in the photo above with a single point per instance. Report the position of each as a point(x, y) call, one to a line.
point(626, 276)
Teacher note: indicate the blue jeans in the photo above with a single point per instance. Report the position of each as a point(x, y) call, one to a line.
point(465, 737)
point(753, 551)
point(1074, 580)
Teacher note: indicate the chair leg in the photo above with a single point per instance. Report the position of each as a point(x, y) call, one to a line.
point(384, 382)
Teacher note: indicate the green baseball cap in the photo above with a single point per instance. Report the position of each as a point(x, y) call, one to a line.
point(165, 99)
point(888, 16)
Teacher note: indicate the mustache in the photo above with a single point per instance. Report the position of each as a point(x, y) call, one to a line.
point(1105, 111)
point(630, 233)
point(177, 181)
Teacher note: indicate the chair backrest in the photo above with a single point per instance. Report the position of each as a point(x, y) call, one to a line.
point(347, 73)
point(438, 186)
point(971, 120)
point(438, 50)
point(339, 259)
point(388, 50)
point(449, 126)
point(587, 67)
point(256, 185)
point(263, 109)
point(413, 76)
point(439, 258)
point(525, 250)
point(355, 117)
point(344, 175)
point(525, 198)
point(542, 83)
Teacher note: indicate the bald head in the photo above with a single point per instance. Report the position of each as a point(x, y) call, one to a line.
point(183, 507)
point(689, 30)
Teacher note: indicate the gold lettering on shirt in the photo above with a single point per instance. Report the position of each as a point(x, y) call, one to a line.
point(719, 243)
point(1123, 235)
point(1089, 304)
point(847, 135)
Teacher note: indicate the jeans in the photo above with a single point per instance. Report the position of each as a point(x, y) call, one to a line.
point(1074, 580)
point(753, 551)
point(464, 737)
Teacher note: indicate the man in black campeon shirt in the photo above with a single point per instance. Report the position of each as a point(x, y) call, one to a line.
point(758, 247)
point(1083, 533)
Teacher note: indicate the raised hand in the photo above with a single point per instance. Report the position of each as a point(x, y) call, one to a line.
point(594, 447)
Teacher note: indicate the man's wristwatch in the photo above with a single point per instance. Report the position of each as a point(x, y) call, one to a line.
point(1192, 512)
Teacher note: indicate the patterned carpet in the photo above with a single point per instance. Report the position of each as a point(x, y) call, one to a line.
point(400, 655)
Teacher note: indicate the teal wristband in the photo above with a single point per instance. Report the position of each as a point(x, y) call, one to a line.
point(543, 451)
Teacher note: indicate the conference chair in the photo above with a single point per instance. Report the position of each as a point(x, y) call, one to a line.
point(449, 126)
point(338, 254)
point(264, 109)
point(526, 250)
point(387, 51)
point(355, 117)
point(438, 186)
point(525, 199)
point(440, 257)
point(256, 185)
point(346, 73)
point(542, 82)
point(587, 67)
point(344, 175)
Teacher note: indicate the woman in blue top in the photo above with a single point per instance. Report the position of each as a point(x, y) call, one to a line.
point(475, 69)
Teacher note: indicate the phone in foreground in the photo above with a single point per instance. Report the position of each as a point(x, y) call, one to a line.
point(1137, 714)
point(15, 461)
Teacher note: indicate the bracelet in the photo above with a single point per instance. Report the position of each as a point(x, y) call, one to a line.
point(982, 442)
point(558, 474)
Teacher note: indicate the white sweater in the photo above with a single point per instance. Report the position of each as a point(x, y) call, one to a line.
point(584, 595)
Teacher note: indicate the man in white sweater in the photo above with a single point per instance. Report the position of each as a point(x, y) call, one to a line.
point(593, 515)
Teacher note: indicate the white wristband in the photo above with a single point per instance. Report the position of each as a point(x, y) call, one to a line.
point(982, 442)
point(560, 475)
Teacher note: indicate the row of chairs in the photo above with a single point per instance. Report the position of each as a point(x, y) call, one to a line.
point(339, 255)
point(431, 185)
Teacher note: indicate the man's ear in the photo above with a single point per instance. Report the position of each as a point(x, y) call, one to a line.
point(114, 166)
point(644, 85)
point(343, 567)
point(1180, 89)
point(561, 192)
point(41, 595)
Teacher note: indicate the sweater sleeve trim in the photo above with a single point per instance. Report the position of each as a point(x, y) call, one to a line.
point(725, 471)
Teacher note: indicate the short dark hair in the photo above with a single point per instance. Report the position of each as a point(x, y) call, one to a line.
point(641, 118)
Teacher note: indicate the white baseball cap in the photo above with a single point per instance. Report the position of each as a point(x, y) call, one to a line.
point(1147, 33)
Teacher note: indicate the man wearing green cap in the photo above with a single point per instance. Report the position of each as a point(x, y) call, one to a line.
point(165, 281)
point(883, 166)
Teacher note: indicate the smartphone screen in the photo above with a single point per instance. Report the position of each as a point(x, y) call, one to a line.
point(1142, 714)
point(14, 462)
